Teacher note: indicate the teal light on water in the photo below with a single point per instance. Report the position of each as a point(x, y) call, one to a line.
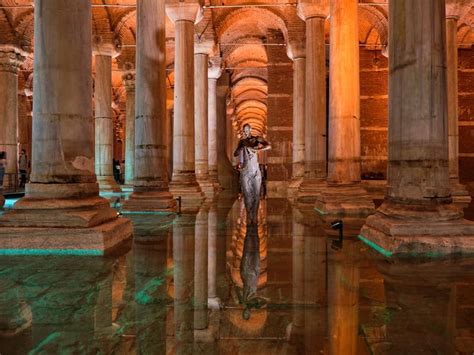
point(69, 252)
point(321, 212)
point(9, 202)
point(376, 247)
point(148, 212)
point(110, 194)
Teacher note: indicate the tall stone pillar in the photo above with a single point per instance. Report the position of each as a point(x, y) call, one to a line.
point(214, 73)
point(453, 11)
point(104, 51)
point(129, 83)
point(202, 50)
point(344, 195)
point(418, 215)
point(183, 182)
point(62, 211)
point(297, 53)
point(314, 14)
point(10, 60)
point(150, 183)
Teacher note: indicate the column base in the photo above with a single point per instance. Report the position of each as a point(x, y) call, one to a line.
point(418, 230)
point(214, 303)
point(459, 193)
point(73, 221)
point(108, 184)
point(344, 201)
point(208, 335)
point(375, 188)
point(208, 189)
point(190, 194)
point(149, 201)
point(293, 187)
point(309, 189)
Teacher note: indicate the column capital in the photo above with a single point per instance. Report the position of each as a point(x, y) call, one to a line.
point(184, 11)
point(128, 79)
point(307, 9)
point(215, 68)
point(204, 46)
point(455, 9)
point(11, 58)
point(296, 49)
point(107, 45)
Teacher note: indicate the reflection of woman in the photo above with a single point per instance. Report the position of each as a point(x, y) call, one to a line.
point(250, 175)
point(250, 271)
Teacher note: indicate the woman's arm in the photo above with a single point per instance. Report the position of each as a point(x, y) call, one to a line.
point(238, 149)
point(262, 144)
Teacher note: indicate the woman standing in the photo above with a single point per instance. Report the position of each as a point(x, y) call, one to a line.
point(250, 175)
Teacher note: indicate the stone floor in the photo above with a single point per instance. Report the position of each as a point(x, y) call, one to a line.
point(315, 294)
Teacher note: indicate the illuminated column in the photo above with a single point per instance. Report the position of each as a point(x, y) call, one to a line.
point(418, 215)
point(183, 182)
point(202, 50)
point(314, 14)
point(104, 51)
point(297, 53)
point(129, 83)
point(62, 209)
point(150, 183)
point(11, 59)
point(214, 73)
point(458, 191)
point(344, 196)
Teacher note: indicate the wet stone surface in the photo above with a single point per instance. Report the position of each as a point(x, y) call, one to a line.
point(287, 286)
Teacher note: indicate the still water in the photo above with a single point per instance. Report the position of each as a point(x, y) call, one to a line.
point(285, 286)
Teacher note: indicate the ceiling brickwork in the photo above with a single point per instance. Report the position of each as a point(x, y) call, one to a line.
point(240, 32)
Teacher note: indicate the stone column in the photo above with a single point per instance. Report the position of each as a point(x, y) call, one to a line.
point(297, 53)
point(104, 51)
point(214, 73)
point(418, 215)
point(62, 211)
point(202, 50)
point(344, 196)
point(150, 183)
point(314, 14)
point(183, 182)
point(458, 191)
point(11, 59)
point(129, 83)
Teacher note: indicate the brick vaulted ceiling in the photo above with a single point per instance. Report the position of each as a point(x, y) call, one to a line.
point(238, 29)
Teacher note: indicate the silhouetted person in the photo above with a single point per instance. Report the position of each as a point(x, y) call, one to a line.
point(23, 166)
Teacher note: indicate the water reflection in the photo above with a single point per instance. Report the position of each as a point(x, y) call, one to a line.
point(209, 283)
